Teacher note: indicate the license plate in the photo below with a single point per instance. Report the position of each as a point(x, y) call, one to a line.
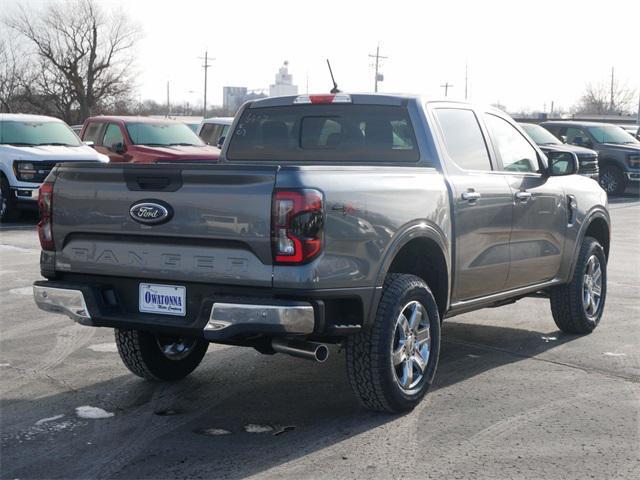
point(163, 299)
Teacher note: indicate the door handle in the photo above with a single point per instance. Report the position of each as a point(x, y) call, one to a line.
point(471, 196)
point(523, 196)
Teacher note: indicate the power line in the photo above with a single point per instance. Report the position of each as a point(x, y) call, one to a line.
point(379, 77)
point(205, 67)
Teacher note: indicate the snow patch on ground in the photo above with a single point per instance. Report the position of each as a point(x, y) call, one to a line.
point(614, 354)
point(255, 428)
point(216, 431)
point(5, 364)
point(22, 290)
point(49, 419)
point(86, 411)
point(104, 347)
point(549, 339)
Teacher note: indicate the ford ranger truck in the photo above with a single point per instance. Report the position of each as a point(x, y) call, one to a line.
point(30, 145)
point(360, 220)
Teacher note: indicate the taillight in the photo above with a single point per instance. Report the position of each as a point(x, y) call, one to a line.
point(297, 222)
point(45, 225)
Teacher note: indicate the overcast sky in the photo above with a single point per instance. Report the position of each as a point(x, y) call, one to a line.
point(523, 54)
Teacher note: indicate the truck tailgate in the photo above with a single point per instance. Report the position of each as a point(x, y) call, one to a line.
point(219, 230)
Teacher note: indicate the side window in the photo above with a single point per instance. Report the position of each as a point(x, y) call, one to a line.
point(463, 138)
point(206, 134)
point(577, 136)
point(91, 133)
point(112, 136)
point(516, 152)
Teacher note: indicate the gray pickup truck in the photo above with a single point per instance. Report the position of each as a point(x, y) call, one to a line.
point(618, 151)
point(360, 220)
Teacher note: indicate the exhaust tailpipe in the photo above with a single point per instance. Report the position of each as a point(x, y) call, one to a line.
point(300, 348)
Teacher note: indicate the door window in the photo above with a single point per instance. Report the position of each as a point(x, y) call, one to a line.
point(91, 132)
point(515, 151)
point(112, 136)
point(210, 133)
point(577, 136)
point(463, 138)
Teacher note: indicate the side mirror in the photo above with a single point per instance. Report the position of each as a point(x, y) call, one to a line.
point(562, 163)
point(89, 143)
point(563, 138)
point(220, 141)
point(119, 148)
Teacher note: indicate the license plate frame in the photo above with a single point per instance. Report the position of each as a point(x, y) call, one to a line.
point(162, 299)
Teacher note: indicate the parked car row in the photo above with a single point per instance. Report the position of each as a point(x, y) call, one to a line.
point(31, 145)
point(607, 153)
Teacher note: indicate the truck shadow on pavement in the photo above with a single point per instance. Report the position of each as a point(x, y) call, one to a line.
point(239, 414)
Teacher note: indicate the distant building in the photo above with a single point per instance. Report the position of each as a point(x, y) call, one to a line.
point(234, 97)
point(284, 83)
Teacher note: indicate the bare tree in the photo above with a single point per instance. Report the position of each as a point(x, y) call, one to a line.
point(85, 55)
point(606, 98)
point(12, 72)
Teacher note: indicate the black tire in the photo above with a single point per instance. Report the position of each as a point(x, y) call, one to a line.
point(369, 353)
point(567, 305)
point(612, 180)
point(8, 210)
point(141, 354)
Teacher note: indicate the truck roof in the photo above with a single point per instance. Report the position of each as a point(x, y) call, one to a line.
point(24, 117)
point(129, 119)
point(574, 122)
point(356, 98)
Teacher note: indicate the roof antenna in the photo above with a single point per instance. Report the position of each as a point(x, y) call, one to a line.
point(335, 85)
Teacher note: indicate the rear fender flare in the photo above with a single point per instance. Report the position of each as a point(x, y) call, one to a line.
point(412, 231)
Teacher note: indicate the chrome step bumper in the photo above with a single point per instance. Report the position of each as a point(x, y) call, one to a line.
point(60, 300)
point(298, 319)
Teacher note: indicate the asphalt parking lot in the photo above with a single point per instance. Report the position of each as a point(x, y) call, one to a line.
point(513, 398)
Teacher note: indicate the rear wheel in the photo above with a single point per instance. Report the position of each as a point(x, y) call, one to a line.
point(612, 180)
point(159, 357)
point(8, 210)
point(391, 365)
point(577, 306)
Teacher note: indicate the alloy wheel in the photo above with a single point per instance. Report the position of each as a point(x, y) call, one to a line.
point(592, 287)
point(175, 348)
point(411, 345)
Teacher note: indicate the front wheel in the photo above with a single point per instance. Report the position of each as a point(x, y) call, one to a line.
point(612, 180)
point(577, 306)
point(392, 364)
point(159, 357)
point(8, 210)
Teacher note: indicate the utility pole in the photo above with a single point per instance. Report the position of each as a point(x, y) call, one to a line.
point(611, 104)
point(205, 66)
point(168, 102)
point(379, 77)
point(466, 80)
point(446, 87)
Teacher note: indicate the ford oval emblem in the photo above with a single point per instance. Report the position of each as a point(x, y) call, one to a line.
point(151, 212)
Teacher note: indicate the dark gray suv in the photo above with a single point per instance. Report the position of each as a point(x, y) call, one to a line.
point(618, 152)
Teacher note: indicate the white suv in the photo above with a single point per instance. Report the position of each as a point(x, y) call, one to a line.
point(30, 146)
point(214, 130)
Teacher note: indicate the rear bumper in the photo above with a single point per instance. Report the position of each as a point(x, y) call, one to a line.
point(215, 313)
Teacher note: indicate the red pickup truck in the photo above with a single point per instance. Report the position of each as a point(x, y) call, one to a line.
point(145, 140)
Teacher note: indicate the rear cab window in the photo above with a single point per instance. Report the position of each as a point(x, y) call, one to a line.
point(324, 133)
